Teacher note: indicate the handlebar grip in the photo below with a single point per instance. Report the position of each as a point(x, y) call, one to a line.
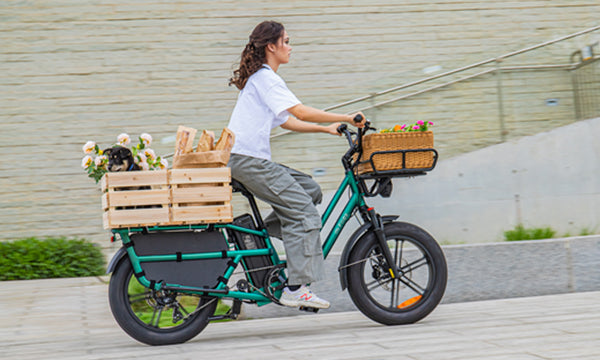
point(342, 128)
point(358, 118)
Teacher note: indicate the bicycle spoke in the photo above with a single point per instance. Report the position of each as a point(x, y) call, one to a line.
point(152, 322)
point(393, 292)
point(411, 284)
point(377, 284)
point(138, 297)
point(395, 303)
point(415, 264)
point(182, 309)
point(397, 260)
point(153, 316)
point(394, 283)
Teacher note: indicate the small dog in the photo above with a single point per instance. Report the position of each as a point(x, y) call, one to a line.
point(120, 159)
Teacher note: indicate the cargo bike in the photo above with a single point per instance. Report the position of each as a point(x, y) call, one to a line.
point(167, 280)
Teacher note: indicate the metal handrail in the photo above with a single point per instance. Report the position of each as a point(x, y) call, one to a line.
point(447, 73)
point(496, 60)
point(511, 68)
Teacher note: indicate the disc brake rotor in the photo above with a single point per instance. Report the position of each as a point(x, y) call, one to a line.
point(383, 277)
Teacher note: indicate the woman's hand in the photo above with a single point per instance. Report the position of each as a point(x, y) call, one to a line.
point(360, 124)
point(332, 129)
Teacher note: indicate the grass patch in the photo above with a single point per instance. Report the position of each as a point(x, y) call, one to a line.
point(32, 258)
point(146, 313)
point(522, 233)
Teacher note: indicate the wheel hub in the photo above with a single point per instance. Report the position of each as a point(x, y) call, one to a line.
point(384, 277)
point(160, 299)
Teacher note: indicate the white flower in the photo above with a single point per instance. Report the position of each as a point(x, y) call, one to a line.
point(150, 154)
point(86, 162)
point(163, 164)
point(99, 161)
point(146, 139)
point(142, 157)
point(144, 165)
point(123, 139)
point(89, 147)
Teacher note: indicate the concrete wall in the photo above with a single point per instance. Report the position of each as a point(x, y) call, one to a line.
point(487, 271)
point(544, 180)
point(75, 71)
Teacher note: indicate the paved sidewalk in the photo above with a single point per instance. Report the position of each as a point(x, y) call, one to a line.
point(70, 319)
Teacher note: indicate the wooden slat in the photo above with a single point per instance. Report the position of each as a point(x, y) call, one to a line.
point(199, 176)
point(201, 194)
point(105, 201)
point(138, 198)
point(193, 214)
point(135, 217)
point(136, 178)
point(105, 221)
point(104, 183)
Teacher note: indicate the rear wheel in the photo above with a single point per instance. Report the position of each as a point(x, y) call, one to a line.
point(156, 317)
point(420, 287)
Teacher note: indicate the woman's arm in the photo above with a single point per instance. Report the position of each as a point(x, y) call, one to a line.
point(294, 124)
point(310, 114)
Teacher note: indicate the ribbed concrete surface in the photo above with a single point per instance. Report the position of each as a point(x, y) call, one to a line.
point(70, 319)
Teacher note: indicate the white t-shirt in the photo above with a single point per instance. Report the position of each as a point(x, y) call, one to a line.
point(261, 106)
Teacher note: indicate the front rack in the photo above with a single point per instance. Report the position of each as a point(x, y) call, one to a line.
point(400, 172)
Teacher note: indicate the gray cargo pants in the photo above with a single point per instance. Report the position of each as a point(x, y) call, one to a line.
point(295, 219)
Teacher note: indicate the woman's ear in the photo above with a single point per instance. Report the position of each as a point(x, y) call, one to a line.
point(271, 47)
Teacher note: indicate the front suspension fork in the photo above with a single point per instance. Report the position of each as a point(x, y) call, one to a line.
point(377, 224)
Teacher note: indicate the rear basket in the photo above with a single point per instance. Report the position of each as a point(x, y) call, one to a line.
point(389, 152)
point(166, 197)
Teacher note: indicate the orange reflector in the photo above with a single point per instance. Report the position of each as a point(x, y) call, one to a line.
point(410, 302)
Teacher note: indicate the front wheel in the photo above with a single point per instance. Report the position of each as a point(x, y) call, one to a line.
point(156, 317)
point(420, 287)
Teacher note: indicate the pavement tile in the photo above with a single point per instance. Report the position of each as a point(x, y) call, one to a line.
point(71, 319)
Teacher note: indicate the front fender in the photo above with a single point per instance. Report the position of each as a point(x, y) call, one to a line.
point(121, 253)
point(350, 245)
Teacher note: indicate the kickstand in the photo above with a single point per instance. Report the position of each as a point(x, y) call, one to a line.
point(232, 314)
point(236, 308)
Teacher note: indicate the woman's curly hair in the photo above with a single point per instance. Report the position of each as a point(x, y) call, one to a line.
point(254, 55)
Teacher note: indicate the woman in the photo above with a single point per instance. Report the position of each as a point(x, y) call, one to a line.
point(264, 103)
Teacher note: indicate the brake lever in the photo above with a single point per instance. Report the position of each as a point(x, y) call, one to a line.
point(340, 129)
point(343, 129)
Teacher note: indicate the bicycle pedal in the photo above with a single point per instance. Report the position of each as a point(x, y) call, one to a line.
point(308, 309)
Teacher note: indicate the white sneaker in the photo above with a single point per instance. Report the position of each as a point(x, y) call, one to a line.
point(302, 297)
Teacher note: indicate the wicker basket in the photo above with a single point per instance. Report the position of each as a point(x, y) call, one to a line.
point(398, 141)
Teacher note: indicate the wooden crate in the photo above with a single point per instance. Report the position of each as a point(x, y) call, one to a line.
point(167, 197)
point(135, 198)
point(200, 194)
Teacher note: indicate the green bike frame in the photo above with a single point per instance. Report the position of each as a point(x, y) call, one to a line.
point(356, 201)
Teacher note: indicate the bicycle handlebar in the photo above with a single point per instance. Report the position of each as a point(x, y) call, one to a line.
point(355, 143)
point(343, 129)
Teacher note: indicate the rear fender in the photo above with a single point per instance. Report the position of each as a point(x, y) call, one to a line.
point(350, 245)
point(120, 254)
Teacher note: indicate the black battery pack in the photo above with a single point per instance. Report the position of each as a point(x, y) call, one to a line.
point(245, 241)
point(195, 273)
